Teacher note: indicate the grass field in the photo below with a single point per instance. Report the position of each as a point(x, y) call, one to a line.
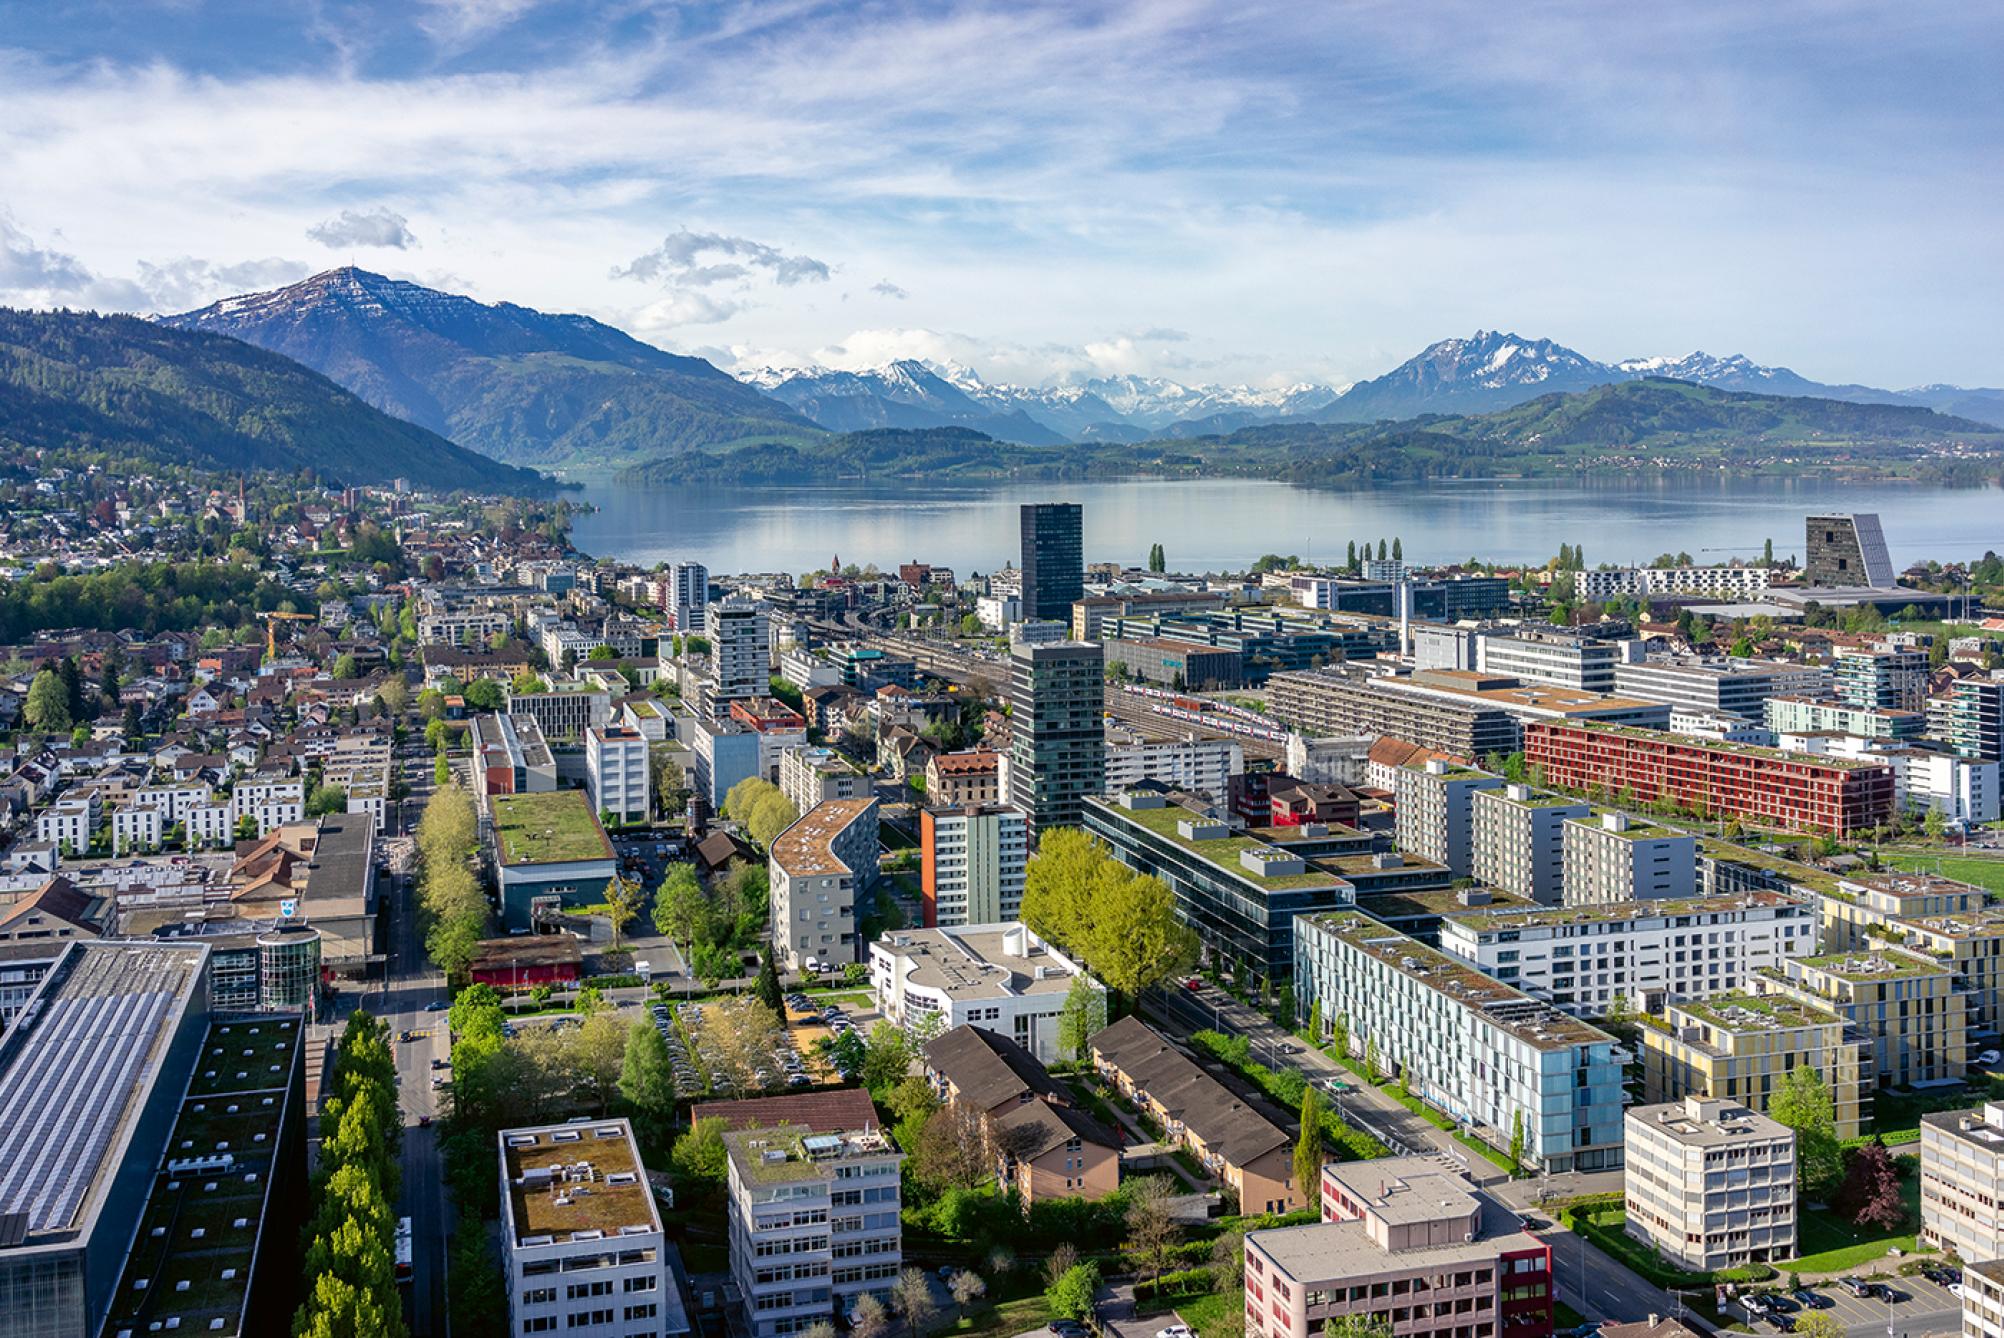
point(1985, 873)
point(1831, 1245)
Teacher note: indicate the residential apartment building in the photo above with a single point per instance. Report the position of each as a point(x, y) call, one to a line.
point(1053, 555)
point(1197, 766)
point(1732, 584)
point(467, 628)
point(1983, 1299)
point(1962, 1181)
point(1582, 959)
point(813, 1223)
point(1721, 687)
point(1760, 786)
point(1239, 889)
point(1045, 1146)
point(1973, 718)
point(1740, 1047)
point(582, 1250)
point(1517, 839)
point(1408, 1245)
point(268, 804)
point(685, 596)
point(1971, 944)
point(1911, 1007)
point(1813, 715)
point(1612, 857)
point(1481, 1051)
point(957, 780)
point(1881, 680)
point(617, 775)
point(566, 711)
point(1436, 812)
point(822, 865)
point(1710, 1184)
point(998, 977)
point(740, 637)
point(1058, 742)
point(814, 775)
point(725, 752)
point(972, 863)
point(1197, 1113)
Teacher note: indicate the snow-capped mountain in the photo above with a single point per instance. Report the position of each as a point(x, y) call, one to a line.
point(906, 393)
point(1492, 370)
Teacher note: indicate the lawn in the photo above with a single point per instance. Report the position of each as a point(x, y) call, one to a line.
point(1831, 1245)
point(1211, 1315)
point(1603, 1225)
point(1004, 1319)
point(1985, 873)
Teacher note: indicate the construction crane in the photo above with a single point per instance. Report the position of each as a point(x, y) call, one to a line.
point(271, 621)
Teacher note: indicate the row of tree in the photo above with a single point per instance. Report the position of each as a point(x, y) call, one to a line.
point(449, 892)
point(350, 1270)
point(1121, 924)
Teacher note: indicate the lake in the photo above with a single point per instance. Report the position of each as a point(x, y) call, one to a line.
point(1223, 525)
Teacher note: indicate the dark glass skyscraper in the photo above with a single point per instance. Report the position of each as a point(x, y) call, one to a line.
point(1053, 559)
point(1057, 748)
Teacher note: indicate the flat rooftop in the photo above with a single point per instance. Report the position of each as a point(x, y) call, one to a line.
point(786, 1153)
point(1444, 902)
point(337, 878)
point(1982, 1127)
point(1501, 919)
point(808, 846)
point(1329, 1251)
point(1222, 852)
point(566, 1179)
point(1888, 964)
point(1742, 1013)
point(201, 1224)
point(1405, 1189)
point(76, 1067)
point(976, 962)
point(1988, 922)
point(1795, 871)
point(554, 828)
point(1707, 1124)
point(1735, 750)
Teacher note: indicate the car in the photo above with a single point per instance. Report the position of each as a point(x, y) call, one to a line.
point(1776, 1301)
point(438, 1064)
point(1988, 1057)
point(1856, 1286)
point(1811, 1300)
point(1754, 1303)
point(1891, 1295)
point(1195, 984)
point(403, 1036)
point(1784, 1323)
point(1176, 1331)
point(1336, 1084)
point(437, 1082)
point(1067, 1328)
point(437, 1006)
point(1955, 1290)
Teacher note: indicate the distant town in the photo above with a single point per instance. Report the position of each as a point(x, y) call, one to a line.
point(411, 924)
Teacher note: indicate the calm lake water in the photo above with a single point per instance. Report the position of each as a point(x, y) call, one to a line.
point(1225, 524)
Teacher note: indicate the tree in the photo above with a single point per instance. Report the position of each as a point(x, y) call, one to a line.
point(1057, 888)
point(768, 987)
point(1381, 550)
point(967, 1286)
point(699, 1154)
point(1870, 1194)
point(1398, 550)
point(1818, 1324)
point(453, 944)
point(326, 799)
point(1228, 1260)
point(1517, 1138)
point(1350, 558)
point(741, 1035)
point(1137, 942)
point(597, 1053)
point(1339, 1035)
point(1308, 1149)
point(527, 683)
point(1083, 1016)
point(1803, 1103)
point(1618, 1010)
point(394, 694)
point(868, 1318)
point(1315, 1022)
point(1064, 1256)
point(622, 905)
point(1152, 1229)
point(1157, 560)
point(430, 705)
point(886, 1058)
point(1357, 1326)
point(484, 694)
point(679, 905)
point(911, 1297)
point(48, 705)
point(1371, 1059)
point(953, 1150)
point(1072, 1295)
point(771, 815)
point(344, 666)
point(912, 1100)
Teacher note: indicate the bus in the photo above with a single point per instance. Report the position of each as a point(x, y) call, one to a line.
point(404, 1273)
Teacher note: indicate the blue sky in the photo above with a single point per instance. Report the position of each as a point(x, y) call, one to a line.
point(1237, 192)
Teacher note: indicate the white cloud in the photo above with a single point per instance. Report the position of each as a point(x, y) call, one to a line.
point(677, 260)
point(36, 276)
point(179, 285)
point(885, 288)
point(367, 227)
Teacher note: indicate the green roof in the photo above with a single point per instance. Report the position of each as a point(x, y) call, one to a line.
point(1634, 831)
point(1867, 966)
point(1503, 917)
point(1757, 1012)
point(1719, 746)
point(1808, 875)
point(555, 828)
point(1223, 852)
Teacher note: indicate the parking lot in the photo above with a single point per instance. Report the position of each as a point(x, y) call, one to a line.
point(1927, 1307)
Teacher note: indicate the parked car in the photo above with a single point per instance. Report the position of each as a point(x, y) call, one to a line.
point(1856, 1286)
point(1813, 1300)
point(1777, 1301)
point(1988, 1057)
point(1890, 1295)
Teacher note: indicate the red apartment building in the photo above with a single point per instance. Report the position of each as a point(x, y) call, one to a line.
point(1758, 785)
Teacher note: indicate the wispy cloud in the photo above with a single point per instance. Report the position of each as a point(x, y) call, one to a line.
point(885, 288)
point(366, 227)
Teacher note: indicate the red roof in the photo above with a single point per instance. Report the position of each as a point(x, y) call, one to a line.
point(828, 1111)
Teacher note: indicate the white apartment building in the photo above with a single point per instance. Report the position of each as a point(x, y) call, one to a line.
point(567, 640)
point(582, 1250)
point(268, 804)
point(998, 977)
point(822, 865)
point(1563, 661)
point(740, 648)
point(173, 801)
point(210, 824)
point(972, 866)
point(1733, 584)
point(1983, 1299)
point(616, 772)
point(813, 1224)
point(1732, 688)
point(685, 595)
point(467, 628)
point(1436, 812)
point(804, 669)
point(1518, 838)
point(1962, 1181)
point(137, 827)
point(1961, 789)
point(67, 824)
point(1710, 1183)
point(810, 776)
point(1616, 858)
point(1582, 958)
point(1698, 722)
point(998, 612)
point(1205, 766)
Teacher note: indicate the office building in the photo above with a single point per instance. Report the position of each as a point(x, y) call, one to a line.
point(1580, 663)
point(1962, 1181)
point(972, 863)
point(1177, 664)
point(740, 639)
point(822, 866)
point(1436, 812)
point(510, 756)
point(1230, 1139)
point(1058, 741)
point(1809, 715)
point(999, 977)
point(1911, 1007)
point(685, 596)
point(1846, 551)
point(1481, 1051)
point(1729, 688)
point(1612, 857)
point(549, 853)
point(1053, 559)
point(1741, 1047)
point(1709, 1184)
point(1193, 765)
point(1517, 840)
point(810, 776)
point(956, 780)
point(1759, 786)
point(616, 773)
point(566, 711)
point(1983, 1298)
point(725, 752)
point(1881, 680)
point(1407, 1244)
point(582, 1249)
point(813, 1223)
point(1582, 959)
point(1239, 889)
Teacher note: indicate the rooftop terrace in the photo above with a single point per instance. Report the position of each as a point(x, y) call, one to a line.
point(1864, 966)
point(1742, 1013)
point(792, 1152)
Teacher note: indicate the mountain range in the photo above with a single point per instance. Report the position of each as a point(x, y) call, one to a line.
point(137, 390)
